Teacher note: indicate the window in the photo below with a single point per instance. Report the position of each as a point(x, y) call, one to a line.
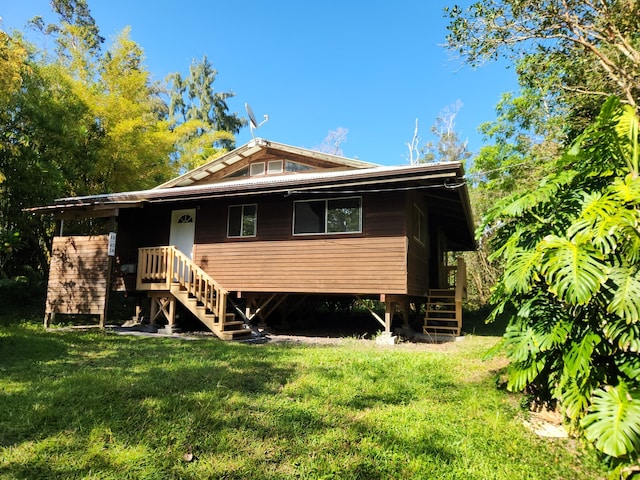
point(186, 218)
point(274, 166)
point(256, 169)
point(419, 225)
point(242, 221)
point(340, 215)
point(290, 166)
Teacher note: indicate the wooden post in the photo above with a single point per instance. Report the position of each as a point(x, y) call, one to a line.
point(172, 312)
point(389, 309)
point(154, 311)
point(138, 312)
point(404, 310)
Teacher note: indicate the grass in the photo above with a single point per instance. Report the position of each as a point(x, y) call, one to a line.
point(98, 405)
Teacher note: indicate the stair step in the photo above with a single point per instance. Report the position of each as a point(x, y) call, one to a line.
point(226, 326)
point(452, 332)
point(233, 334)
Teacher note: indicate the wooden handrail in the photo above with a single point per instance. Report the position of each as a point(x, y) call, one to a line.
point(170, 266)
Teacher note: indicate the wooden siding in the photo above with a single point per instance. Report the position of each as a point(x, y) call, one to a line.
point(329, 266)
point(78, 275)
point(382, 216)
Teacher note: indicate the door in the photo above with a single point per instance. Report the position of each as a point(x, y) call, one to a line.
point(183, 229)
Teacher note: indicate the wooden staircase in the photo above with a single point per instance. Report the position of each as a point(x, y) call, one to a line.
point(169, 276)
point(443, 315)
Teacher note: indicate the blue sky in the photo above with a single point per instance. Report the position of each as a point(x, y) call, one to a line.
point(369, 67)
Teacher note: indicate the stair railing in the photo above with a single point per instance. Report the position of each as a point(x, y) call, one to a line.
point(163, 267)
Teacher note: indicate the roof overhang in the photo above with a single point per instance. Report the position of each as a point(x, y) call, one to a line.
point(442, 182)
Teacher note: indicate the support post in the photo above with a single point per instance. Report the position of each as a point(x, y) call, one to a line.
point(387, 338)
point(154, 311)
point(389, 309)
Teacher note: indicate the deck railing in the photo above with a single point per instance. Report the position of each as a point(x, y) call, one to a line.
point(167, 267)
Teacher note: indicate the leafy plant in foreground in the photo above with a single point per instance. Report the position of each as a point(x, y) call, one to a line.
point(571, 284)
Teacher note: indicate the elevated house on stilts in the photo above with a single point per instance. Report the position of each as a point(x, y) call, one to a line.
point(264, 226)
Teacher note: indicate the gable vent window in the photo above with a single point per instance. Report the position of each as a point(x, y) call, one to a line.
point(295, 167)
point(274, 166)
point(242, 221)
point(256, 169)
point(340, 215)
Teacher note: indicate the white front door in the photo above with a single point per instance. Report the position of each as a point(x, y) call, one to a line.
point(183, 229)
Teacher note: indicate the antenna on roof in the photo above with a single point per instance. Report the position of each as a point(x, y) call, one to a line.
point(253, 124)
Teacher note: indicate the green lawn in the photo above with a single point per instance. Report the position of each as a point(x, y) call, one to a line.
point(99, 405)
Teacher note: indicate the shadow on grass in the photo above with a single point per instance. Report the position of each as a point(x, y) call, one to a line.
point(77, 403)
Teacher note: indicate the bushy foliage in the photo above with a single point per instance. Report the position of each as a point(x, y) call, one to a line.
point(571, 284)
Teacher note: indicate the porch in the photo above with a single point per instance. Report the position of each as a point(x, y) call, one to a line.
point(169, 277)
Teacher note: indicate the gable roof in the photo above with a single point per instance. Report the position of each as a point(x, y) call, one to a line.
point(442, 184)
point(259, 149)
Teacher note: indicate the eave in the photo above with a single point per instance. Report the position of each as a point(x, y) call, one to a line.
point(444, 180)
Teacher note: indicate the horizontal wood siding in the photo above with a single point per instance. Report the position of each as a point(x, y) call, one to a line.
point(335, 265)
point(383, 214)
point(78, 275)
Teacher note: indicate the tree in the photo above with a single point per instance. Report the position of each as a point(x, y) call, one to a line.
point(571, 283)
point(45, 141)
point(130, 141)
point(569, 56)
point(136, 139)
point(77, 37)
point(199, 115)
point(82, 122)
point(14, 64)
point(447, 148)
point(573, 41)
point(333, 140)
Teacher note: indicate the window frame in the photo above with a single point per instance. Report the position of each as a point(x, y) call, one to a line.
point(263, 169)
point(419, 228)
point(326, 216)
point(275, 167)
point(242, 215)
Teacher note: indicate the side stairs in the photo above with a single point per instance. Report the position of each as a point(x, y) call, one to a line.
point(444, 314)
point(227, 329)
point(168, 275)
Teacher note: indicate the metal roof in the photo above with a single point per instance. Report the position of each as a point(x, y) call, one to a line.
point(287, 183)
point(443, 183)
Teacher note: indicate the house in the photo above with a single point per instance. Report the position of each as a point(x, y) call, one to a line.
point(262, 227)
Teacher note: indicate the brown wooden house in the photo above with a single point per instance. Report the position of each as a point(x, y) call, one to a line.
point(264, 226)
